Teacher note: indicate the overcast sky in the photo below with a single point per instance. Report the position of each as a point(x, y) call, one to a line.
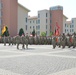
point(69, 6)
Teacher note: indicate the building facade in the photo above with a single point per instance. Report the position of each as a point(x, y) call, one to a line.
point(32, 24)
point(56, 16)
point(9, 11)
point(22, 18)
point(43, 22)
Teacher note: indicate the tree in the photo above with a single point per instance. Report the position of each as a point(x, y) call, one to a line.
point(33, 32)
point(43, 34)
point(21, 31)
point(6, 33)
point(51, 33)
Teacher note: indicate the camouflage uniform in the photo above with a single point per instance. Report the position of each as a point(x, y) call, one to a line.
point(4, 40)
point(54, 42)
point(63, 40)
point(9, 40)
point(18, 41)
point(74, 41)
point(27, 38)
point(23, 41)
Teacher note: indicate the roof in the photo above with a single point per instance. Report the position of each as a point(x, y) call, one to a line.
point(68, 22)
point(24, 7)
point(34, 17)
point(65, 16)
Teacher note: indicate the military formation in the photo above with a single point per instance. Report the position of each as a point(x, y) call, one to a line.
point(64, 40)
point(61, 41)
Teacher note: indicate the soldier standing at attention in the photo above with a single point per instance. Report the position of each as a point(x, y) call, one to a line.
point(23, 41)
point(4, 40)
point(54, 41)
point(18, 41)
point(27, 38)
point(9, 40)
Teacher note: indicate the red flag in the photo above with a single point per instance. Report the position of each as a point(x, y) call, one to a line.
point(57, 25)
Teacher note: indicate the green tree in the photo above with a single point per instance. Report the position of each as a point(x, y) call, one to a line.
point(33, 32)
point(43, 34)
point(21, 31)
point(51, 33)
point(6, 33)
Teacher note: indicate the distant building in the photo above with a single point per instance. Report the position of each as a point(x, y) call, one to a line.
point(56, 15)
point(8, 15)
point(70, 26)
point(22, 18)
point(32, 24)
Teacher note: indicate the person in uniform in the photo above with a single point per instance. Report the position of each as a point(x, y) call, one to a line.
point(4, 40)
point(63, 40)
point(18, 40)
point(9, 40)
point(23, 41)
point(26, 40)
point(54, 42)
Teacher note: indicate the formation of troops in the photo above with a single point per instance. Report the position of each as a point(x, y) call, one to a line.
point(60, 41)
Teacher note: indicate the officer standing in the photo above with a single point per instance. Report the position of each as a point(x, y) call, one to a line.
point(18, 41)
point(4, 40)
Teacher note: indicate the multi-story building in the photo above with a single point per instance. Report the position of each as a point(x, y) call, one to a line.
point(56, 16)
point(8, 17)
point(32, 24)
point(70, 26)
point(43, 22)
point(64, 21)
point(22, 18)
point(14, 16)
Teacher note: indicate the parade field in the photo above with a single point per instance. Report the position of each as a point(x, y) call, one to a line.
point(37, 60)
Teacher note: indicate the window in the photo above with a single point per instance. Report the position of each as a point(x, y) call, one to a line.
point(70, 26)
point(70, 30)
point(38, 21)
point(46, 26)
point(46, 14)
point(38, 15)
point(30, 27)
point(30, 21)
point(26, 27)
point(65, 25)
point(46, 32)
point(26, 20)
point(65, 30)
point(46, 20)
point(33, 27)
point(33, 21)
point(38, 26)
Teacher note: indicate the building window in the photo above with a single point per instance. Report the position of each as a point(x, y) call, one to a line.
point(38, 21)
point(72, 21)
point(72, 30)
point(46, 20)
point(46, 26)
point(46, 32)
point(33, 21)
point(65, 30)
point(26, 27)
point(46, 14)
point(30, 21)
point(70, 26)
point(30, 27)
point(33, 27)
point(50, 15)
point(38, 26)
point(38, 15)
point(26, 20)
point(65, 25)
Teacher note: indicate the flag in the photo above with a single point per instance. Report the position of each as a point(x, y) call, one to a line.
point(4, 29)
point(57, 25)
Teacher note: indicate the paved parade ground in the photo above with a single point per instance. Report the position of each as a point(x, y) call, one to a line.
point(37, 60)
